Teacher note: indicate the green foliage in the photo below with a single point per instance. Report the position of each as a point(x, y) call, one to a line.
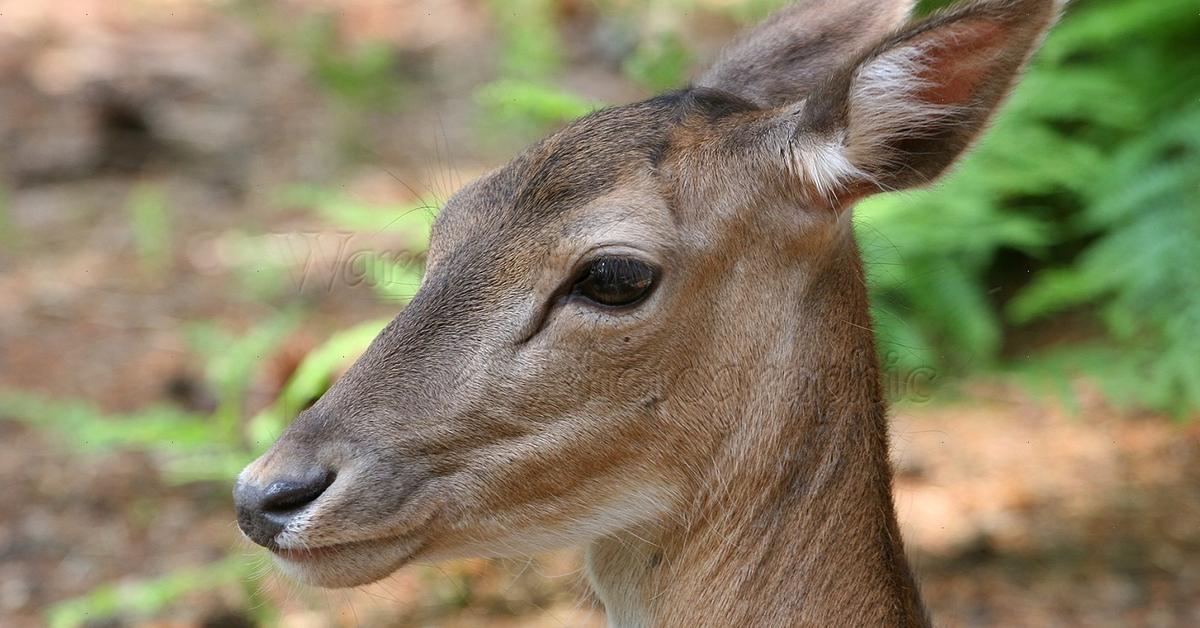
point(524, 101)
point(360, 79)
point(1069, 166)
point(232, 362)
point(343, 212)
point(529, 42)
point(312, 377)
point(143, 598)
point(1143, 267)
point(395, 275)
point(659, 63)
point(925, 253)
point(8, 229)
point(192, 447)
point(392, 280)
point(157, 428)
point(363, 76)
point(260, 270)
point(149, 217)
point(526, 107)
point(189, 446)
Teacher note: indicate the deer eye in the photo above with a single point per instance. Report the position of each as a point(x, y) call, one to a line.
point(615, 281)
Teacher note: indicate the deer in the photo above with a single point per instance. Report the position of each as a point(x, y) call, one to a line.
point(649, 336)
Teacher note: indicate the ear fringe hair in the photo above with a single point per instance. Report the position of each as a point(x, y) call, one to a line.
point(823, 164)
point(885, 108)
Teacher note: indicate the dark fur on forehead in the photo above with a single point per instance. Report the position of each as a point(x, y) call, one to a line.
point(713, 104)
point(590, 157)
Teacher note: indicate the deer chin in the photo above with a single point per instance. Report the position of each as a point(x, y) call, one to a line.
point(324, 549)
point(345, 565)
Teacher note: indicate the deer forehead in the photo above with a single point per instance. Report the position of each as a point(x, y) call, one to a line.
point(536, 191)
point(614, 174)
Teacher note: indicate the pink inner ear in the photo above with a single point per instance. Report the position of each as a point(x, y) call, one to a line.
point(959, 60)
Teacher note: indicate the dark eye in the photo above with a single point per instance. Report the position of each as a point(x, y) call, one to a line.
point(615, 281)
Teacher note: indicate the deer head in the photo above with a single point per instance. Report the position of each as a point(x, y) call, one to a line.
point(652, 325)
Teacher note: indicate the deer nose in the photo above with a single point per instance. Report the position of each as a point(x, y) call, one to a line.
point(262, 512)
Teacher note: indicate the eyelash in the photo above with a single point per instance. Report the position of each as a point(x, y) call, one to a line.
point(615, 281)
point(568, 291)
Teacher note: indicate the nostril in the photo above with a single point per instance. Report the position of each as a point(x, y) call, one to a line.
point(286, 495)
point(262, 513)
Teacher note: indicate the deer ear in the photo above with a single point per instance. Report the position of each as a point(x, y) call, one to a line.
point(901, 114)
point(786, 56)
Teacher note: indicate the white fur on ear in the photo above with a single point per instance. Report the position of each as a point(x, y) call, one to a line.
point(885, 106)
point(823, 164)
point(900, 116)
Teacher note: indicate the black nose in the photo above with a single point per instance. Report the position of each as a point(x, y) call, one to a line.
point(263, 512)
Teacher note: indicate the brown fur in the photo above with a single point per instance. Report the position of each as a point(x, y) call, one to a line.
point(722, 448)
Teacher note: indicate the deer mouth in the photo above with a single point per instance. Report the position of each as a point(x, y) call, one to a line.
point(348, 564)
point(303, 554)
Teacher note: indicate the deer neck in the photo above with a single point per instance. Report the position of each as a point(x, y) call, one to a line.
point(794, 522)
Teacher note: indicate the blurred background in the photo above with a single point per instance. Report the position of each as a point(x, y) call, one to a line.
point(207, 209)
